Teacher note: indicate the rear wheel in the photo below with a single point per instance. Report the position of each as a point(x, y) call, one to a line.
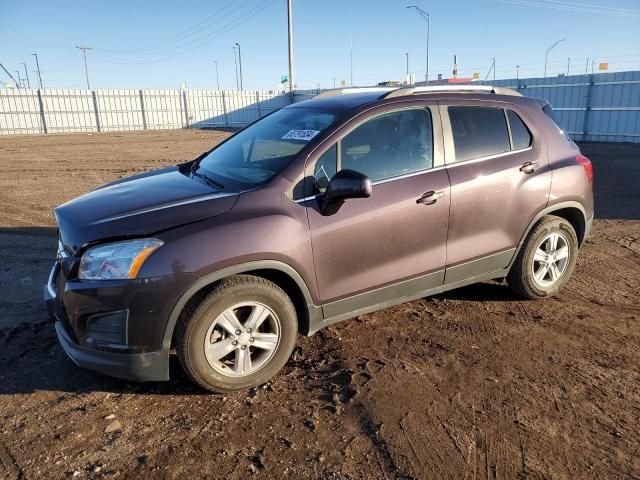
point(239, 336)
point(546, 260)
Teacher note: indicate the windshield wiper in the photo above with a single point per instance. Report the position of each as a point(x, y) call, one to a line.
point(209, 180)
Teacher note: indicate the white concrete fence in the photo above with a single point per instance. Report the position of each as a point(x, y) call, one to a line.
point(25, 111)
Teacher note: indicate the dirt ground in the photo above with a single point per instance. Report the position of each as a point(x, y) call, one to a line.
point(473, 383)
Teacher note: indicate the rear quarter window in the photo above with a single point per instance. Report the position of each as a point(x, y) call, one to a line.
point(520, 135)
point(548, 110)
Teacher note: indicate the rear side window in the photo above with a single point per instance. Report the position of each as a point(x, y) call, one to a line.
point(552, 115)
point(478, 131)
point(520, 135)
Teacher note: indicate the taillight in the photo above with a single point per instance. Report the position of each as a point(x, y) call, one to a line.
point(586, 164)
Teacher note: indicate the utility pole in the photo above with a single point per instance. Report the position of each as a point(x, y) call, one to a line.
point(546, 55)
point(407, 55)
point(10, 76)
point(517, 72)
point(240, 63)
point(235, 60)
point(27, 75)
point(427, 17)
point(217, 78)
point(86, 70)
point(38, 70)
point(492, 67)
point(290, 23)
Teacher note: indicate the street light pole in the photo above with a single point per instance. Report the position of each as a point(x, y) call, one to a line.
point(217, 78)
point(546, 55)
point(86, 69)
point(38, 70)
point(407, 55)
point(19, 79)
point(290, 24)
point(517, 72)
point(427, 17)
point(27, 74)
point(351, 60)
point(240, 63)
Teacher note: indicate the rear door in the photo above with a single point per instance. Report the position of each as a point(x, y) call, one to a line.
point(500, 178)
point(398, 235)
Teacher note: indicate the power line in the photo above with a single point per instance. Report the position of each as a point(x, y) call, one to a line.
point(183, 34)
point(218, 33)
point(534, 3)
point(589, 5)
point(186, 42)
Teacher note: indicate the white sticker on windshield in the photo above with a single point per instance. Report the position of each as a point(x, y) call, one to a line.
point(305, 135)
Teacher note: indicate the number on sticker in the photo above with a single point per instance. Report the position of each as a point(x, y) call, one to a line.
point(305, 135)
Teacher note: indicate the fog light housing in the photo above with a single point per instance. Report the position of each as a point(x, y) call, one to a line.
point(108, 328)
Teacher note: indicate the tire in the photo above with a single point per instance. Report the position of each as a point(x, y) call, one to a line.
point(526, 275)
point(207, 330)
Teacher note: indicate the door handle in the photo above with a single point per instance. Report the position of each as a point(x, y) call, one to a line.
point(528, 167)
point(429, 198)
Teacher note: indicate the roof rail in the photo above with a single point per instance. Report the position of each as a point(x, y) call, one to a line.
point(401, 92)
point(342, 91)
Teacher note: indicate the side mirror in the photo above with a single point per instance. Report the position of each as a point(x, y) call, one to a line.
point(344, 184)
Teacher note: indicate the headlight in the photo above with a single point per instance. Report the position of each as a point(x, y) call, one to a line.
point(116, 261)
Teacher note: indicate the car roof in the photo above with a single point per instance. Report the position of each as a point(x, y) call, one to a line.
point(339, 102)
point(352, 98)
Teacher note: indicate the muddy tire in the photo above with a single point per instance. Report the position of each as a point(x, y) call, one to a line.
point(546, 260)
point(238, 336)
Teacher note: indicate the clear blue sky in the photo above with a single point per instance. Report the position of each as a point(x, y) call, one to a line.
point(515, 32)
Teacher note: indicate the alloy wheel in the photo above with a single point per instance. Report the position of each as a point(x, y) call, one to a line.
point(550, 259)
point(242, 339)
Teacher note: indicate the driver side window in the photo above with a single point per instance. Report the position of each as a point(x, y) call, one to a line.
point(387, 146)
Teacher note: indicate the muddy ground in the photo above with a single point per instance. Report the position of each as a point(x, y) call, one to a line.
point(473, 383)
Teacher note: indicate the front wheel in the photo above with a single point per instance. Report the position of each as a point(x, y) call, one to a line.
point(239, 336)
point(546, 260)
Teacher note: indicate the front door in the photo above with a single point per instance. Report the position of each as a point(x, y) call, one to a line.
point(392, 244)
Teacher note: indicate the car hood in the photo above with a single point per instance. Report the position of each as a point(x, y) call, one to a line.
point(139, 205)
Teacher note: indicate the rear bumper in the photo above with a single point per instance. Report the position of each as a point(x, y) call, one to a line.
point(150, 366)
point(587, 228)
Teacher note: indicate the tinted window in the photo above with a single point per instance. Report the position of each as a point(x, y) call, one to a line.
point(390, 145)
point(258, 153)
point(552, 115)
point(478, 131)
point(520, 136)
point(325, 169)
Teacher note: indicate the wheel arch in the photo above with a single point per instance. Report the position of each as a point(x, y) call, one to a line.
point(572, 212)
point(280, 273)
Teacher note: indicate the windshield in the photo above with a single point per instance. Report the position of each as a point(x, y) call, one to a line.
point(258, 153)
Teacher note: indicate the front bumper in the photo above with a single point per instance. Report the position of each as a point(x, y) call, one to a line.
point(142, 351)
point(151, 366)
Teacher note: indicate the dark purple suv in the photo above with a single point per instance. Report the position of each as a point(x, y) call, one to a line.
point(324, 210)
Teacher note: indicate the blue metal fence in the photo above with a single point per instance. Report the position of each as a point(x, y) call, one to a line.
point(601, 107)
